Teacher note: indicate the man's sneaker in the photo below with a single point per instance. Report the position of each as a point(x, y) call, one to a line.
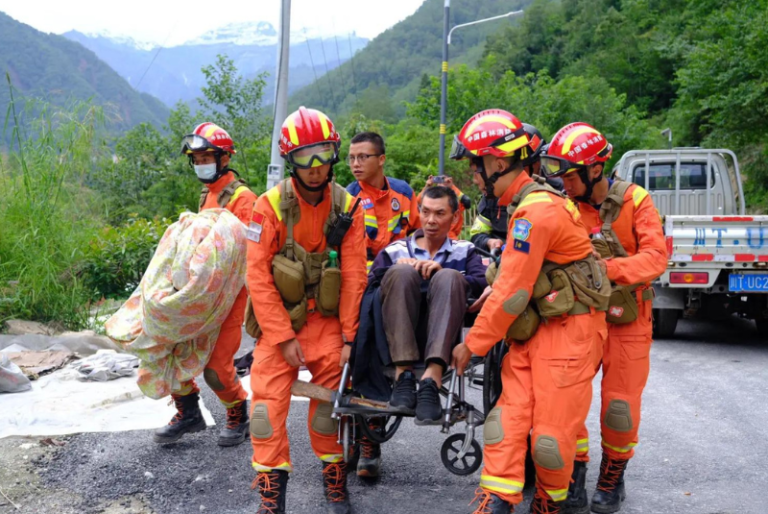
point(577, 501)
point(489, 503)
point(610, 486)
point(428, 408)
point(237, 427)
point(335, 481)
point(404, 392)
point(188, 419)
point(272, 486)
point(369, 463)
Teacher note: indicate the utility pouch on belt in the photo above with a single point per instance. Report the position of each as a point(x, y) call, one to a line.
point(298, 314)
point(602, 247)
point(289, 278)
point(525, 325)
point(560, 299)
point(329, 291)
point(589, 283)
point(623, 305)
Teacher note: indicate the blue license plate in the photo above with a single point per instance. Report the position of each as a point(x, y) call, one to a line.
point(755, 282)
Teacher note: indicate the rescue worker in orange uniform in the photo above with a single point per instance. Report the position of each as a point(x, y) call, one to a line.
point(465, 202)
point(306, 276)
point(390, 205)
point(623, 217)
point(210, 148)
point(391, 213)
point(546, 379)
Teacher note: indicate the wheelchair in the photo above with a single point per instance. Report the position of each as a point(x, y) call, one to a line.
point(460, 453)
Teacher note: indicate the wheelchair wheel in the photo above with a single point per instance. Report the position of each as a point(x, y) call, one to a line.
point(492, 376)
point(348, 445)
point(383, 430)
point(465, 465)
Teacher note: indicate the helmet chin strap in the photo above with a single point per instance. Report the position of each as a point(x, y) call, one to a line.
point(584, 176)
point(490, 182)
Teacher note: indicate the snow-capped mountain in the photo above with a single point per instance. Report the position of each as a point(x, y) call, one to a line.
point(120, 39)
point(260, 33)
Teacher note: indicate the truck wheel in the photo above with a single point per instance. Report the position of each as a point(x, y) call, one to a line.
point(665, 322)
point(762, 327)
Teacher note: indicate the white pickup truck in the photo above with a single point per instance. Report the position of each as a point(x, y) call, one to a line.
point(718, 255)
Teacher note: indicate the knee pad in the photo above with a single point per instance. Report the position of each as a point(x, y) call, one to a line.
point(261, 427)
point(322, 423)
point(493, 430)
point(546, 453)
point(212, 379)
point(618, 417)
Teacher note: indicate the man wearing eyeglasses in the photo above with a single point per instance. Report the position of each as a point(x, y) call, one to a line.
point(391, 213)
point(209, 149)
point(390, 205)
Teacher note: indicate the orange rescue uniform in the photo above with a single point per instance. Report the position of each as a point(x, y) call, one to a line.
point(390, 213)
point(320, 338)
point(220, 372)
point(626, 354)
point(458, 226)
point(547, 380)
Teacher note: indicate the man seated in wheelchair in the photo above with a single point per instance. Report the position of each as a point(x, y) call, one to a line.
point(424, 293)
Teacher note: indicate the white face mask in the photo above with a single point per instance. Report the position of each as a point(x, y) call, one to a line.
point(205, 171)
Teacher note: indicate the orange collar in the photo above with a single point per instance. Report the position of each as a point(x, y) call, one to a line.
point(220, 184)
point(375, 192)
point(515, 187)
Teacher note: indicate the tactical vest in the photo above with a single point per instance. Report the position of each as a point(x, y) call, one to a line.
point(571, 289)
point(301, 275)
point(228, 195)
point(623, 306)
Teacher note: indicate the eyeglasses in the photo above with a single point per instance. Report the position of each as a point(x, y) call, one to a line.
point(362, 157)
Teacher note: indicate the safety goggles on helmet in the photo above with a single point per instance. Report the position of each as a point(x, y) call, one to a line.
point(313, 156)
point(194, 143)
point(557, 167)
point(458, 150)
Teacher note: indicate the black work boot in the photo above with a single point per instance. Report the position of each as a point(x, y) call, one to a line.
point(237, 427)
point(272, 489)
point(188, 419)
point(404, 392)
point(369, 463)
point(577, 502)
point(428, 408)
point(543, 504)
point(489, 503)
point(335, 480)
point(610, 486)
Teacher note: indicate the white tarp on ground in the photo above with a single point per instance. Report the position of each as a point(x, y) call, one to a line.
point(60, 404)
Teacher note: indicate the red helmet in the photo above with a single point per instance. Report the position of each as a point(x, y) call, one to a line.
point(490, 132)
point(535, 145)
point(308, 128)
point(573, 148)
point(207, 137)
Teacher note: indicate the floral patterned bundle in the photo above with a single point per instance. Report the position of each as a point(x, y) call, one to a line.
point(172, 320)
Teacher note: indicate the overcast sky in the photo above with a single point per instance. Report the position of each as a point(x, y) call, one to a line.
point(176, 21)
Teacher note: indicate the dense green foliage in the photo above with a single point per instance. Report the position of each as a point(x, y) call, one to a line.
point(394, 62)
point(60, 71)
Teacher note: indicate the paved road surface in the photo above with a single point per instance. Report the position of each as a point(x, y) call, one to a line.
point(703, 451)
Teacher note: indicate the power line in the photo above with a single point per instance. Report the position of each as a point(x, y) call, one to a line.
point(327, 73)
point(157, 53)
point(351, 64)
point(312, 62)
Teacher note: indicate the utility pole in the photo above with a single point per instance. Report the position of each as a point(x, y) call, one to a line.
point(275, 170)
point(444, 88)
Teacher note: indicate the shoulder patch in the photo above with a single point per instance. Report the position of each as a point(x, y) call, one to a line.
point(638, 195)
point(521, 229)
point(522, 246)
point(535, 197)
point(400, 186)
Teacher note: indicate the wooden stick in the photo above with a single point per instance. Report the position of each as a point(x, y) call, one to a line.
point(4, 496)
point(323, 394)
